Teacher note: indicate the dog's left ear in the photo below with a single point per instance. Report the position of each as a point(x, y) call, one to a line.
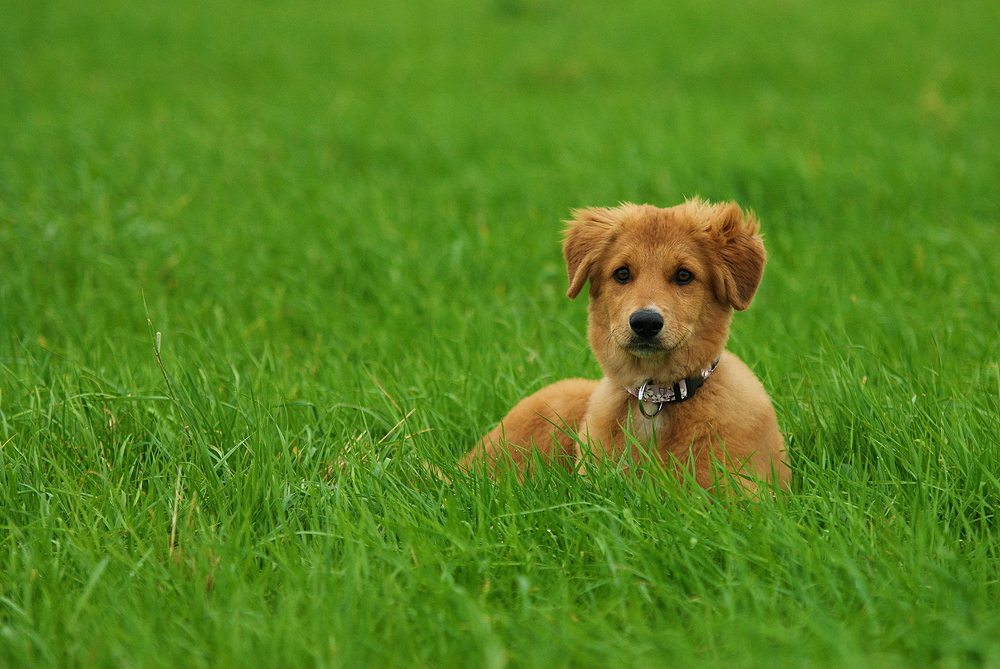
point(742, 252)
point(585, 238)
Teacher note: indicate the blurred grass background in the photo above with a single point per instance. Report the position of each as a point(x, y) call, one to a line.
point(344, 221)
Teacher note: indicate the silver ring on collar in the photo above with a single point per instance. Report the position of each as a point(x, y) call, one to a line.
point(642, 410)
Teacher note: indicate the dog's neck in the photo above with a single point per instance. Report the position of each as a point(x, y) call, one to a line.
point(683, 389)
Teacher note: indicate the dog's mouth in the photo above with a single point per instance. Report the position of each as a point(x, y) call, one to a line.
point(644, 348)
point(664, 343)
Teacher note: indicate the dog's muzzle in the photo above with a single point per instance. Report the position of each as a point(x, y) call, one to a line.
point(646, 325)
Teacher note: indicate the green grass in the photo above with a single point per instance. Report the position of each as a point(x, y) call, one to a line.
point(344, 223)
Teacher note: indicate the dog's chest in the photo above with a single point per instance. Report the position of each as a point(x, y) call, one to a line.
point(649, 430)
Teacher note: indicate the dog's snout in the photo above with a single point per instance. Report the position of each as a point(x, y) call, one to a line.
point(646, 323)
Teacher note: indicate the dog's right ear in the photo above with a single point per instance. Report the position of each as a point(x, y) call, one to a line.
point(585, 238)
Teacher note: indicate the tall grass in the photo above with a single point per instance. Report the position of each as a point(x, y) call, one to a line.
point(261, 262)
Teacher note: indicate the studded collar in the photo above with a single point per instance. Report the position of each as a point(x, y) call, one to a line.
point(680, 391)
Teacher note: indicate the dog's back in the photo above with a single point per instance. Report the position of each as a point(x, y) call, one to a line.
point(546, 421)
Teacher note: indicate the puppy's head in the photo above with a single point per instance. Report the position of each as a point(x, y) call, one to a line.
point(663, 283)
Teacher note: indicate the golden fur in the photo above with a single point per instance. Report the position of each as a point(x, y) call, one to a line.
point(728, 421)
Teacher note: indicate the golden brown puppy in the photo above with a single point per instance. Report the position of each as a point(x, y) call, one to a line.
point(663, 286)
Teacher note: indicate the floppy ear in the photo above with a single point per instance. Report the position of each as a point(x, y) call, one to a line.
point(585, 238)
point(742, 252)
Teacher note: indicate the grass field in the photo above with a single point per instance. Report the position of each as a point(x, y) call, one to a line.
point(340, 227)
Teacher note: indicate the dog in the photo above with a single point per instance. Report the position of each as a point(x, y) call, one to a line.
point(663, 287)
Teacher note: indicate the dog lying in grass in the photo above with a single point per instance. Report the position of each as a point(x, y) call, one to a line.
point(663, 286)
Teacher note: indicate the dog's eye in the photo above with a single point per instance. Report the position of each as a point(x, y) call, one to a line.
point(622, 275)
point(683, 277)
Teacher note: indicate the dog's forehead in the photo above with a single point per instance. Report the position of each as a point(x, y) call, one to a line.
point(657, 234)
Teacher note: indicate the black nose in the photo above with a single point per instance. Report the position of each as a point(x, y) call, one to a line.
point(646, 323)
